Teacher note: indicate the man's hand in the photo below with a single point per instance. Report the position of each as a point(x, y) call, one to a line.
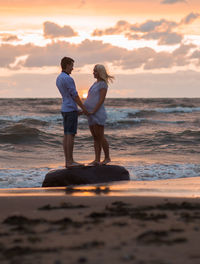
point(80, 112)
point(79, 103)
point(86, 112)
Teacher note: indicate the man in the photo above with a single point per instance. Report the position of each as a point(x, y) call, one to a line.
point(69, 109)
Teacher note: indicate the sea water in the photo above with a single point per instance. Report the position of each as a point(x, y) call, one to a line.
point(152, 138)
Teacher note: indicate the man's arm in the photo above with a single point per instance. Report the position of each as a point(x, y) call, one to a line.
point(79, 103)
point(75, 96)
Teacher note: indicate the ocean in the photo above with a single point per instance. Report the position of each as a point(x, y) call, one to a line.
point(153, 138)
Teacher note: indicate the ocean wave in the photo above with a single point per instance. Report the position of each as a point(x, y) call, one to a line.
point(187, 137)
point(177, 109)
point(155, 142)
point(155, 111)
point(22, 134)
point(135, 121)
point(33, 119)
point(33, 177)
point(22, 178)
point(117, 115)
point(163, 171)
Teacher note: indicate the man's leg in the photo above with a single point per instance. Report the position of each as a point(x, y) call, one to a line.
point(65, 148)
point(68, 146)
point(70, 129)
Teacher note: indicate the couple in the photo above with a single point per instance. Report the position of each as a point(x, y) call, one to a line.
point(93, 108)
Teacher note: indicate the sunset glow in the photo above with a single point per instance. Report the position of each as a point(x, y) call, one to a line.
point(84, 95)
point(140, 42)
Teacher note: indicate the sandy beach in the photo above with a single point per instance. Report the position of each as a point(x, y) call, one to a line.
point(43, 226)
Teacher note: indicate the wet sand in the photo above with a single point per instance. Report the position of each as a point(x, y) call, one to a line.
point(100, 225)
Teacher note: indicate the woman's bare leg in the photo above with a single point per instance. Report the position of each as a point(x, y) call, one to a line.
point(98, 134)
point(105, 146)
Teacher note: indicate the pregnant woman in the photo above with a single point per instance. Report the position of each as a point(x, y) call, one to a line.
point(96, 120)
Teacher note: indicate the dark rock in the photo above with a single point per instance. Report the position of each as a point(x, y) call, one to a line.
point(85, 175)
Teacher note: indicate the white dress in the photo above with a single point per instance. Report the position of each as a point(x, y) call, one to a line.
point(100, 116)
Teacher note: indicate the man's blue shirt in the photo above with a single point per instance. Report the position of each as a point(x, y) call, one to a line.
point(67, 89)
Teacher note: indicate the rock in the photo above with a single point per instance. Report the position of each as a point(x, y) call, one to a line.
point(85, 175)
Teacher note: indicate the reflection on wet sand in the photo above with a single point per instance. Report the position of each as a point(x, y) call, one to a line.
point(184, 187)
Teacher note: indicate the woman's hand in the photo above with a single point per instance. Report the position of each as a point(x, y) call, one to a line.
point(80, 113)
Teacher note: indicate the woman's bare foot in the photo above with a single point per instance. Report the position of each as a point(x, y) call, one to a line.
point(74, 164)
point(105, 161)
point(94, 163)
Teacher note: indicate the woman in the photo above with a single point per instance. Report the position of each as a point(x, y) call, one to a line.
point(95, 106)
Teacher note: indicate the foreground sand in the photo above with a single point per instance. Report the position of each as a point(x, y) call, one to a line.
point(64, 228)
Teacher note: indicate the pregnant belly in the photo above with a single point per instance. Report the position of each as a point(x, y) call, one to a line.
point(90, 105)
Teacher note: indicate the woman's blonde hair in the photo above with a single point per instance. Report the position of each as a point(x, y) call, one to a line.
point(103, 73)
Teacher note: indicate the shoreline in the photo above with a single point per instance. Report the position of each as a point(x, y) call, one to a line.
point(181, 187)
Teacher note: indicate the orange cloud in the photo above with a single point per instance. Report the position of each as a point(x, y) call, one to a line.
point(164, 31)
point(92, 52)
point(173, 1)
point(52, 30)
point(9, 37)
point(190, 18)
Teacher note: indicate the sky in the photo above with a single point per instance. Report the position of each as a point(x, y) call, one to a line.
point(152, 47)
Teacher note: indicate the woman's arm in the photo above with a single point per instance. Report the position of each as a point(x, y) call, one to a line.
point(79, 103)
point(102, 96)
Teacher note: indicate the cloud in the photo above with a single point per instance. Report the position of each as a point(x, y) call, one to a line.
point(161, 30)
point(90, 52)
point(159, 61)
point(87, 52)
point(152, 26)
point(9, 53)
point(120, 27)
point(173, 1)
point(9, 38)
point(52, 30)
point(196, 54)
point(183, 49)
point(163, 38)
point(136, 58)
point(190, 18)
point(164, 31)
point(179, 57)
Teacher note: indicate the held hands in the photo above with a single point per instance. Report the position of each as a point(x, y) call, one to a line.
point(80, 112)
point(85, 112)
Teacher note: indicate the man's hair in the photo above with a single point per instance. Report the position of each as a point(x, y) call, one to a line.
point(66, 61)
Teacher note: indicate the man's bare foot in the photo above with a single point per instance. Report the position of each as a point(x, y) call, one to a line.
point(94, 163)
point(105, 161)
point(74, 164)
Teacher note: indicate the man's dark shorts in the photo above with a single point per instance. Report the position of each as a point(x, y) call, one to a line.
point(70, 121)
